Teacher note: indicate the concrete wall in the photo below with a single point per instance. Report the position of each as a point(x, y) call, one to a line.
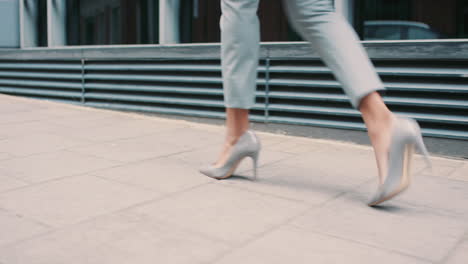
point(10, 29)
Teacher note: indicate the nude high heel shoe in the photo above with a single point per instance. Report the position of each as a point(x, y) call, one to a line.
point(248, 145)
point(406, 136)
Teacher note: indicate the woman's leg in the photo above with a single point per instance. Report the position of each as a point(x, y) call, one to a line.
point(237, 122)
point(338, 45)
point(240, 37)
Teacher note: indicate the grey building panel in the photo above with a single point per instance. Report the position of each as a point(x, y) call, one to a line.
point(9, 31)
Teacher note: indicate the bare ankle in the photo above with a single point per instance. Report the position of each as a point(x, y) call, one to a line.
point(231, 140)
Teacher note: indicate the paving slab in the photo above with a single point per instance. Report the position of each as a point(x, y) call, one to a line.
point(460, 173)
point(10, 182)
point(26, 145)
point(14, 228)
point(291, 243)
point(165, 175)
point(117, 238)
point(4, 155)
point(53, 165)
point(227, 214)
point(422, 232)
point(132, 150)
point(85, 185)
point(440, 194)
point(115, 129)
point(460, 254)
point(72, 199)
point(26, 129)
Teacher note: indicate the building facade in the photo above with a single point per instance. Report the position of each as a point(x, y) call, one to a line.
point(162, 56)
point(52, 23)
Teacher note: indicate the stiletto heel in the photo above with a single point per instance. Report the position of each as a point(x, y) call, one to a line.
point(248, 145)
point(255, 164)
point(405, 136)
point(421, 147)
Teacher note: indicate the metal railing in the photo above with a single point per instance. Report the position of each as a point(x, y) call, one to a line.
point(290, 89)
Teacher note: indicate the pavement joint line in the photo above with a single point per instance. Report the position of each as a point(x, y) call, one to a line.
point(186, 229)
point(371, 245)
point(93, 218)
point(266, 164)
point(121, 210)
point(256, 238)
point(91, 173)
point(448, 178)
point(30, 219)
point(128, 162)
point(71, 150)
point(458, 168)
point(435, 211)
point(269, 194)
point(352, 189)
point(13, 176)
point(148, 189)
point(308, 209)
point(110, 140)
point(35, 184)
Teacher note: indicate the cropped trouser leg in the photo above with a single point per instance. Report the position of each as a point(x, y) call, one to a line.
point(240, 37)
point(337, 44)
point(329, 33)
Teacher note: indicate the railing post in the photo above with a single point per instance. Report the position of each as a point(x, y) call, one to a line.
point(83, 81)
point(267, 88)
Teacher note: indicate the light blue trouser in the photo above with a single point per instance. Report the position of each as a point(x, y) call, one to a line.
point(329, 33)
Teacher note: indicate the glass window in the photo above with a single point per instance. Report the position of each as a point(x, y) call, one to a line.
point(199, 21)
point(416, 19)
point(421, 33)
point(105, 22)
point(385, 32)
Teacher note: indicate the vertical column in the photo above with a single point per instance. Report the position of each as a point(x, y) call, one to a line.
point(29, 12)
point(169, 21)
point(56, 23)
point(10, 29)
point(346, 8)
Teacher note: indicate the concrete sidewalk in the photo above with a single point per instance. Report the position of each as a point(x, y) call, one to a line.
point(80, 185)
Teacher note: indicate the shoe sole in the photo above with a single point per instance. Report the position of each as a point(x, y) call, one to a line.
point(230, 172)
point(405, 179)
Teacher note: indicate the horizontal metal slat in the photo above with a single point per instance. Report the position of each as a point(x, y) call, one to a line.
point(151, 78)
point(158, 67)
point(164, 110)
point(37, 83)
point(336, 111)
point(155, 78)
point(447, 103)
point(427, 87)
point(37, 75)
point(41, 66)
point(384, 71)
point(391, 100)
point(159, 89)
point(13, 90)
point(443, 133)
point(391, 86)
point(165, 100)
point(151, 67)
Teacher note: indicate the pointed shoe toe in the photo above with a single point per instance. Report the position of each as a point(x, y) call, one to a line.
point(405, 137)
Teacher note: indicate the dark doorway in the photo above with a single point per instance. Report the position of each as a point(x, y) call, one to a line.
point(104, 22)
point(199, 20)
